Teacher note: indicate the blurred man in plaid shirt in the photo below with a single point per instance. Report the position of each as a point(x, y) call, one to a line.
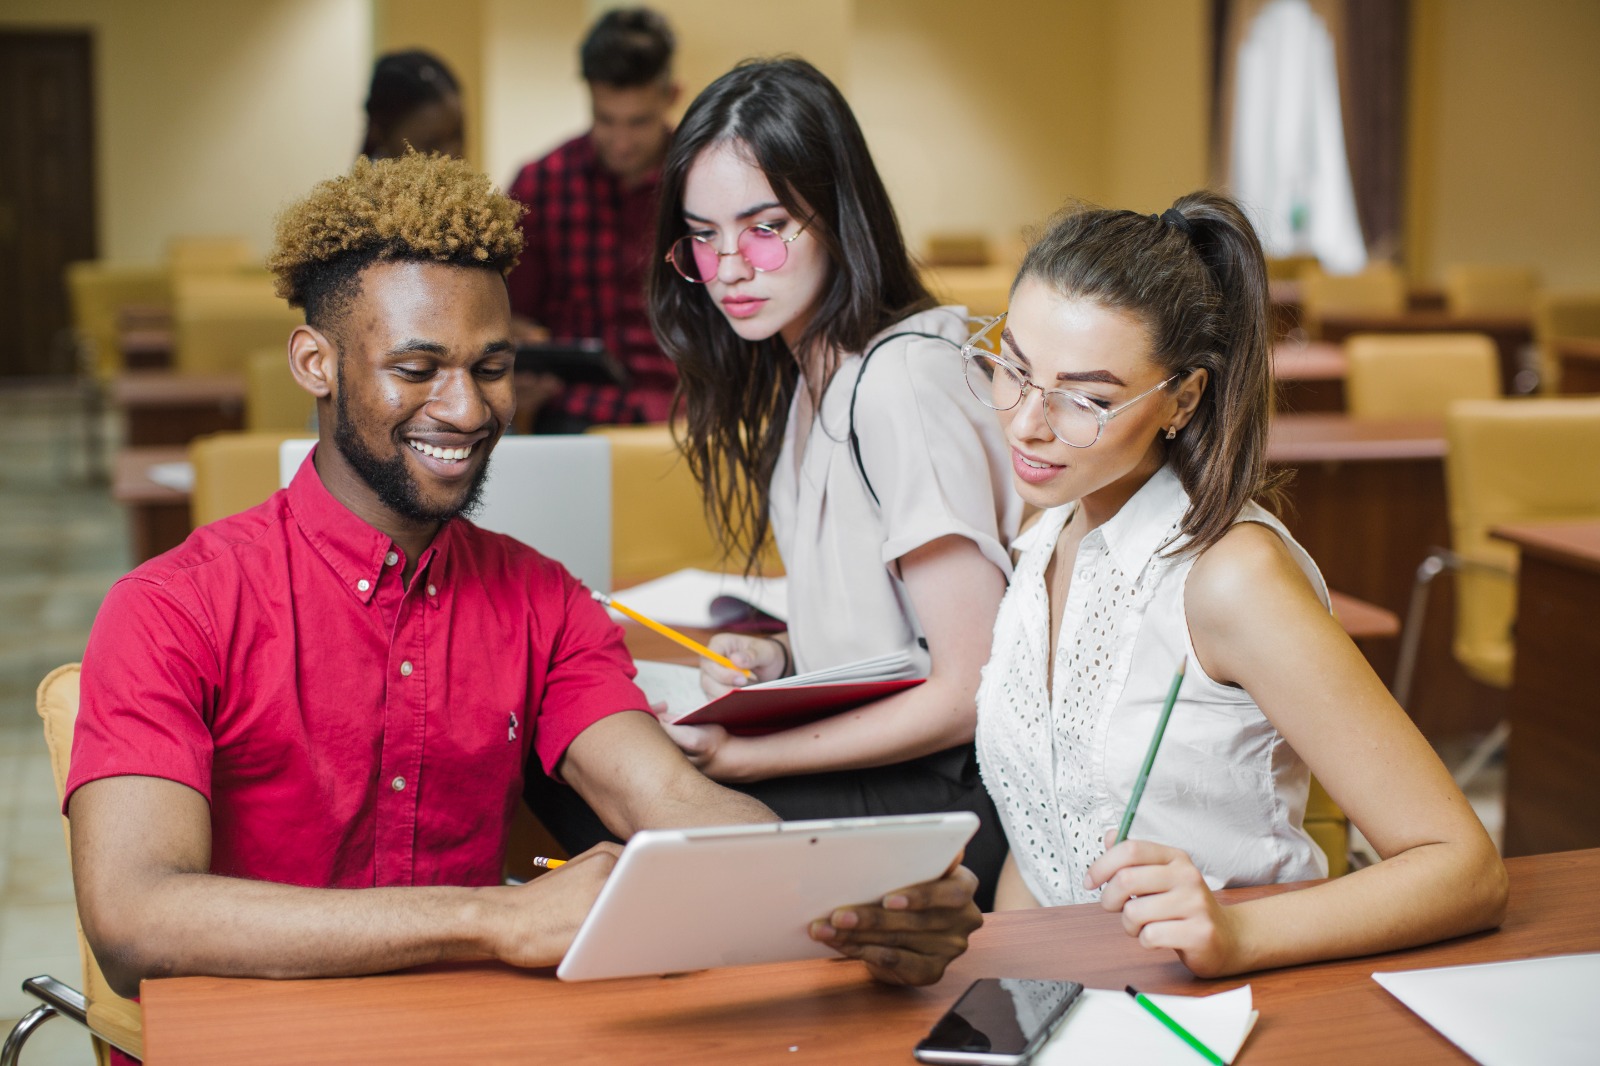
point(589, 226)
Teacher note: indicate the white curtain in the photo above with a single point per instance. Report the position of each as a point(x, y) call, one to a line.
point(1289, 167)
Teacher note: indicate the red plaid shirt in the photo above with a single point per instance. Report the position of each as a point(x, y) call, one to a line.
point(582, 274)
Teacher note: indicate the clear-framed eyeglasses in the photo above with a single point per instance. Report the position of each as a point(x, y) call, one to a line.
point(696, 258)
point(1076, 419)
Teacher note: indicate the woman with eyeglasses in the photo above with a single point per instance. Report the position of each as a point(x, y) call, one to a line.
point(826, 408)
point(1132, 378)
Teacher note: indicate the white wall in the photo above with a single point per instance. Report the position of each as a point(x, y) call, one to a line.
point(212, 114)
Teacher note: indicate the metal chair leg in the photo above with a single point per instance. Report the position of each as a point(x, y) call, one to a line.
point(22, 1030)
point(58, 998)
point(1405, 669)
point(1487, 749)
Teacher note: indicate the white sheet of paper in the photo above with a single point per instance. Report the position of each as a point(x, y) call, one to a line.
point(677, 685)
point(178, 475)
point(1508, 1013)
point(1106, 1026)
point(683, 598)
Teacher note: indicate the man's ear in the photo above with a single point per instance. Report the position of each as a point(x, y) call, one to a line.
point(313, 361)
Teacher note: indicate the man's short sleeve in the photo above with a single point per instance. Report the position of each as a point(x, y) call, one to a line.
point(590, 676)
point(150, 678)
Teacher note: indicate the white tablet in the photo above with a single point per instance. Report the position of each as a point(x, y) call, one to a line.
point(690, 899)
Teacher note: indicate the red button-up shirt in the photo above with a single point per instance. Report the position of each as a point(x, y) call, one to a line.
point(347, 730)
point(586, 242)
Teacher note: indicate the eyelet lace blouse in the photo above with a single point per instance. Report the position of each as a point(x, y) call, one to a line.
point(1061, 764)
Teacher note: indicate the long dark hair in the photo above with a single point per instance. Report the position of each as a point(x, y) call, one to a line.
point(798, 129)
point(1199, 285)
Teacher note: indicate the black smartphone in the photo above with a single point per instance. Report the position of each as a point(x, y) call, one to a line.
point(999, 1021)
point(572, 361)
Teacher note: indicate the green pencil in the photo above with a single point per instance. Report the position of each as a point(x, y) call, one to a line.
point(1165, 1019)
point(1150, 755)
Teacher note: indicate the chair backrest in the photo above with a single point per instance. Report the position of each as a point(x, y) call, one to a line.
point(272, 397)
point(553, 493)
point(1377, 290)
point(957, 249)
point(1523, 460)
point(658, 522)
point(1418, 375)
point(1490, 289)
point(1557, 315)
point(234, 471)
point(211, 254)
point(220, 319)
point(57, 704)
point(98, 292)
point(1329, 827)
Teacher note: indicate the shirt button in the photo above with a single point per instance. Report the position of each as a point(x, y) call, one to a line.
point(398, 784)
point(432, 591)
point(1084, 575)
point(363, 585)
point(405, 668)
point(391, 559)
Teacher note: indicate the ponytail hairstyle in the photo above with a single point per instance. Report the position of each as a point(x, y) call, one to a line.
point(1196, 278)
point(788, 119)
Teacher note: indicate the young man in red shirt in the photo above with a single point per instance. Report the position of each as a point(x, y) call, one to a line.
point(338, 689)
point(590, 222)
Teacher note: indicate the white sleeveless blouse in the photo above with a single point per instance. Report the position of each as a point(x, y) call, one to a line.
point(1226, 787)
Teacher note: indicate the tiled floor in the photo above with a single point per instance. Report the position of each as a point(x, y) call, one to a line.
point(65, 542)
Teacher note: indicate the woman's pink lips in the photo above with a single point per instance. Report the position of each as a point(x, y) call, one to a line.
point(742, 306)
point(1032, 474)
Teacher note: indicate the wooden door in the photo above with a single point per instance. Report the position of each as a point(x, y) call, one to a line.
point(46, 192)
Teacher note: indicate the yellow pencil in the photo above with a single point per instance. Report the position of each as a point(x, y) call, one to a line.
point(548, 864)
point(671, 634)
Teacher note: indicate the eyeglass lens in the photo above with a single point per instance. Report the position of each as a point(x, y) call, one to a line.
point(998, 386)
point(760, 246)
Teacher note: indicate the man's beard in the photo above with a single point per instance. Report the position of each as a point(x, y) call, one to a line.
point(396, 488)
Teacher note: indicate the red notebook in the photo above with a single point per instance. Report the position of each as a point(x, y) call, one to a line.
point(752, 711)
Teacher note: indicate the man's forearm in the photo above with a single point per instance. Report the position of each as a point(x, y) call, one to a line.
point(193, 923)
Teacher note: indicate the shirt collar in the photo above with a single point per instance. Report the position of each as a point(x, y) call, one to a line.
point(1145, 524)
point(356, 551)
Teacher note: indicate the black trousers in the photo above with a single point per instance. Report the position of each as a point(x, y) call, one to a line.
point(944, 781)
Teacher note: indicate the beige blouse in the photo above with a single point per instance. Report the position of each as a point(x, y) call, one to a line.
point(940, 466)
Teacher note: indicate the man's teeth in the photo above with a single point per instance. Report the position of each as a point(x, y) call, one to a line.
point(440, 453)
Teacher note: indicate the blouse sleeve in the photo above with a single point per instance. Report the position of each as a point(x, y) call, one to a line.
point(930, 451)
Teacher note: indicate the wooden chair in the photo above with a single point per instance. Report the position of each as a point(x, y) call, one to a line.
point(273, 400)
point(110, 1019)
point(211, 254)
point(220, 319)
point(234, 471)
point(1329, 827)
point(1558, 315)
point(1487, 289)
point(98, 291)
point(1522, 460)
point(1418, 375)
point(1378, 290)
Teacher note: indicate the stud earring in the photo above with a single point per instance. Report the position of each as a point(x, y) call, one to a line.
point(1172, 431)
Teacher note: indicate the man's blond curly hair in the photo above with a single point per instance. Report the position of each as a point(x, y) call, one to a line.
point(422, 208)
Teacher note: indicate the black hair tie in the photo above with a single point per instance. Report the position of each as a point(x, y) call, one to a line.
point(1174, 218)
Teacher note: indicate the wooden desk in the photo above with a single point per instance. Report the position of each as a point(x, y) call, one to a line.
point(1309, 376)
point(1553, 753)
point(1580, 365)
point(165, 407)
point(1510, 333)
point(158, 516)
point(826, 1011)
point(1367, 500)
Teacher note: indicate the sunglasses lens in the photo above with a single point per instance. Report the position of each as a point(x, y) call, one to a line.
point(762, 248)
point(694, 260)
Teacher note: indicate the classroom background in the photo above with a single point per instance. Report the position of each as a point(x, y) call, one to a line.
point(181, 119)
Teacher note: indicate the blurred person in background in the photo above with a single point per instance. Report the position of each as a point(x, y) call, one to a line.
point(587, 231)
point(415, 102)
